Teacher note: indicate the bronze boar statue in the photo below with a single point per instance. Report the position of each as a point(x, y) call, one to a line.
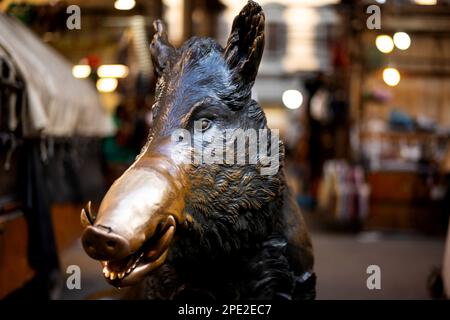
point(181, 229)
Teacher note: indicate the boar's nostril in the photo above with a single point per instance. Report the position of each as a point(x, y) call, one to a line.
point(111, 243)
point(103, 244)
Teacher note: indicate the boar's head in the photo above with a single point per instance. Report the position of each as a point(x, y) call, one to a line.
point(166, 206)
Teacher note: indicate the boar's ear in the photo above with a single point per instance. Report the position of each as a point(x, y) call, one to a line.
point(245, 45)
point(160, 48)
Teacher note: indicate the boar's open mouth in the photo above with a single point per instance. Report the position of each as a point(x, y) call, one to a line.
point(152, 254)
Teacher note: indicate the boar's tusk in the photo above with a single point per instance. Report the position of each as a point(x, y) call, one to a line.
point(87, 219)
point(89, 212)
point(84, 219)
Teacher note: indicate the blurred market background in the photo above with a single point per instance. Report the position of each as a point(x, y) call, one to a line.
point(364, 112)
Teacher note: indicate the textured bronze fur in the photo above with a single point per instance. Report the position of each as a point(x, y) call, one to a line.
point(239, 234)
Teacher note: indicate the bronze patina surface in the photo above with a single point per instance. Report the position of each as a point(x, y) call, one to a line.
point(180, 229)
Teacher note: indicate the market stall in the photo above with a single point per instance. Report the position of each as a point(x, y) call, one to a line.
point(51, 126)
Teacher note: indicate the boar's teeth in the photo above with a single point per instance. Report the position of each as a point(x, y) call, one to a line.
point(106, 274)
point(121, 275)
point(112, 276)
point(129, 270)
point(105, 269)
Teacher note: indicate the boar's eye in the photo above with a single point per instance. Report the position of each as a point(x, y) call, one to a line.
point(153, 111)
point(205, 124)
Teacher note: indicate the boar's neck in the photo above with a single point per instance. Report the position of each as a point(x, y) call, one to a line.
point(269, 268)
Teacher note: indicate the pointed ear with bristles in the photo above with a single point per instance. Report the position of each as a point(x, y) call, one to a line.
point(245, 45)
point(160, 48)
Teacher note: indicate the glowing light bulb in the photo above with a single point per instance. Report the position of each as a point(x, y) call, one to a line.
point(106, 84)
point(384, 43)
point(112, 71)
point(426, 2)
point(124, 4)
point(391, 76)
point(292, 99)
point(402, 40)
point(81, 71)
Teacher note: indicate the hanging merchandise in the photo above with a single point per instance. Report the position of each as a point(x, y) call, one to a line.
point(344, 192)
point(51, 126)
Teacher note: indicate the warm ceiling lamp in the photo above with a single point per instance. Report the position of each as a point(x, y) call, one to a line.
point(384, 43)
point(292, 99)
point(426, 2)
point(106, 85)
point(391, 76)
point(124, 4)
point(402, 40)
point(81, 71)
point(112, 71)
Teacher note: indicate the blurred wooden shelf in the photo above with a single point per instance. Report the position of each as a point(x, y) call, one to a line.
point(402, 201)
point(403, 135)
point(14, 267)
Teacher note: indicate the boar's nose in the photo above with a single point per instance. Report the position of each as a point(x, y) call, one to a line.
point(102, 243)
